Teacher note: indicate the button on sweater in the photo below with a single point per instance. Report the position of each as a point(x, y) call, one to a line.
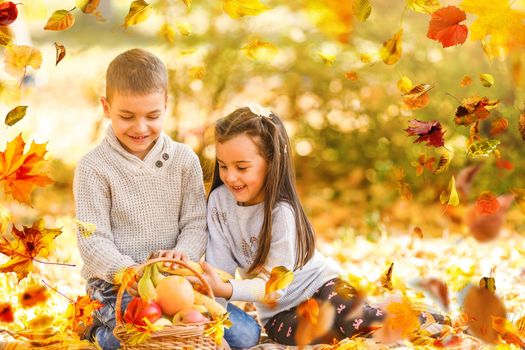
point(137, 206)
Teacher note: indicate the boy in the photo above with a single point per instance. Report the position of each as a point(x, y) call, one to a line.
point(143, 191)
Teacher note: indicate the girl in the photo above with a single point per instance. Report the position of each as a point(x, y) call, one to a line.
point(256, 223)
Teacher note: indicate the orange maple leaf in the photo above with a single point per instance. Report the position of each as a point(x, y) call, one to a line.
point(20, 173)
point(26, 246)
point(80, 313)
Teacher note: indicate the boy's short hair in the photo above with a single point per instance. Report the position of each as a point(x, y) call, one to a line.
point(136, 71)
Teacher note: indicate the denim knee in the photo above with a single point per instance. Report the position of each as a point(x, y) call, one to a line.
point(106, 339)
point(244, 332)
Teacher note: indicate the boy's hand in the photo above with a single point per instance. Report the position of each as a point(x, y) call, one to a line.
point(170, 254)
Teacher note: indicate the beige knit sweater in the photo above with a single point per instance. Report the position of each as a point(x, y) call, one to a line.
point(138, 206)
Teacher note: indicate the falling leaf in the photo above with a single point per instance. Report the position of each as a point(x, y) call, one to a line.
point(404, 84)
point(60, 52)
point(280, 278)
point(80, 313)
point(403, 187)
point(424, 6)
point(334, 18)
point(437, 290)
point(466, 81)
point(401, 317)
point(6, 312)
point(187, 3)
point(184, 28)
point(486, 79)
point(391, 51)
point(20, 173)
point(8, 13)
point(418, 90)
point(481, 305)
point(6, 36)
point(519, 194)
point(309, 309)
point(521, 125)
point(386, 278)
point(429, 132)
point(15, 115)
point(498, 126)
point(417, 232)
point(86, 229)
point(486, 203)
point(417, 102)
point(366, 57)
point(482, 148)
point(259, 50)
point(444, 26)
point(33, 295)
point(362, 9)
point(328, 58)
point(26, 246)
point(424, 163)
point(307, 331)
point(504, 164)
point(18, 58)
point(443, 163)
point(488, 283)
point(450, 197)
point(473, 109)
point(500, 27)
point(87, 6)
point(239, 8)
point(198, 72)
point(60, 20)
point(167, 32)
point(139, 11)
point(352, 75)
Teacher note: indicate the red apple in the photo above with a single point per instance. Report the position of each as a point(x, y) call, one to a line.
point(138, 309)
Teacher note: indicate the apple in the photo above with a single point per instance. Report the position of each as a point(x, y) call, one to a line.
point(138, 309)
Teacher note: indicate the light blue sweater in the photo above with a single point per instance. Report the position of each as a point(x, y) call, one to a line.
point(232, 245)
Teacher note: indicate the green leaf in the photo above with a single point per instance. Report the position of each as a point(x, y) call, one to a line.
point(482, 148)
point(15, 115)
point(362, 9)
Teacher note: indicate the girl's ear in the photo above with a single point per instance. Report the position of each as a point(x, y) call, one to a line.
point(105, 106)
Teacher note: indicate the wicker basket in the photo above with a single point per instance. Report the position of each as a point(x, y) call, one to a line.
point(180, 336)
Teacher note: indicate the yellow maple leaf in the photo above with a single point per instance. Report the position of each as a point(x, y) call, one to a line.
point(239, 8)
point(139, 11)
point(391, 51)
point(26, 246)
point(20, 173)
point(498, 26)
point(259, 50)
point(79, 313)
point(402, 317)
point(19, 57)
point(280, 278)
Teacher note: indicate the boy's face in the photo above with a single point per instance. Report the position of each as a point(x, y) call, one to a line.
point(136, 120)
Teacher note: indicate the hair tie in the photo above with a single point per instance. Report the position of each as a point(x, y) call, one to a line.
point(259, 110)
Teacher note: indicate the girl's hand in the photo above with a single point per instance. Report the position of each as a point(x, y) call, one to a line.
point(220, 289)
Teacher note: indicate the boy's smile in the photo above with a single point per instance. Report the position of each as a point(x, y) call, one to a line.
point(136, 120)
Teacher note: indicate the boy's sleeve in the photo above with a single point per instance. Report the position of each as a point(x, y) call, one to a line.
point(281, 253)
point(93, 204)
point(192, 220)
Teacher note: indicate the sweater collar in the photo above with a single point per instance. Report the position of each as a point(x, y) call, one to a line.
point(153, 155)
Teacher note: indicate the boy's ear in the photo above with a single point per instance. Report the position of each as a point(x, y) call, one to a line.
point(105, 105)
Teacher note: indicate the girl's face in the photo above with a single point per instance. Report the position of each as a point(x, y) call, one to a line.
point(242, 169)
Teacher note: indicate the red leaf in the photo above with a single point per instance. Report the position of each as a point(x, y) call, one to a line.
point(445, 28)
point(33, 295)
point(486, 203)
point(504, 164)
point(8, 13)
point(6, 313)
point(430, 132)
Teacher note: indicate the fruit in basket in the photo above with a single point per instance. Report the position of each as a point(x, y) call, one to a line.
point(214, 308)
point(174, 293)
point(189, 315)
point(182, 271)
point(138, 309)
point(145, 286)
point(156, 276)
point(163, 321)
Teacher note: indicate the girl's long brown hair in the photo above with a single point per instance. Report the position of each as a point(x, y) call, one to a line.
point(270, 136)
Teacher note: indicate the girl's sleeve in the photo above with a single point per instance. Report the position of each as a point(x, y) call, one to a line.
point(93, 204)
point(192, 221)
point(282, 253)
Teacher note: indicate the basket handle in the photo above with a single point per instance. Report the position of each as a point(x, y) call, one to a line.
point(122, 288)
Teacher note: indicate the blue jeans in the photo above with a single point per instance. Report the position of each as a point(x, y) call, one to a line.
point(244, 332)
point(104, 318)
